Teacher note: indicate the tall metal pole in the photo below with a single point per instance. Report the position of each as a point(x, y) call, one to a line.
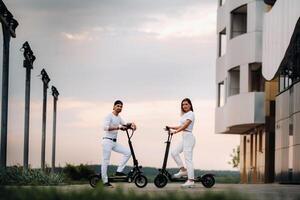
point(46, 80)
point(55, 98)
point(44, 126)
point(4, 106)
point(9, 25)
point(28, 64)
point(27, 113)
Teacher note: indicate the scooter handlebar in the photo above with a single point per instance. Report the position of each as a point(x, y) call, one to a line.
point(126, 127)
point(167, 128)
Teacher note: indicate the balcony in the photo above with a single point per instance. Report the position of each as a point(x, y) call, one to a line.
point(246, 48)
point(241, 113)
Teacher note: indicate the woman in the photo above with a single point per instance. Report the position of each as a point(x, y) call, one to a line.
point(187, 144)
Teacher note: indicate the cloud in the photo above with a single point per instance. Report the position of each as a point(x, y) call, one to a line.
point(77, 37)
point(195, 21)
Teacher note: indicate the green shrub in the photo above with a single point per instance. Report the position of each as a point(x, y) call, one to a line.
point(17, 176)
point(77, 173)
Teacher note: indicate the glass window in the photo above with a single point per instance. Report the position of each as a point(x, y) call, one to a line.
point(221, 94)
point(234, 81)
point(256, 80)
point(238, 21)
point(222, 2)
point(222, 42)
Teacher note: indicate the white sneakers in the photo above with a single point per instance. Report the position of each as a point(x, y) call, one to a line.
point(180, 174)
point(188, 184)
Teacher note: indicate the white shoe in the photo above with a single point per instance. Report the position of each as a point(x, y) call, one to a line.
point(180, 174)
point(188, 184)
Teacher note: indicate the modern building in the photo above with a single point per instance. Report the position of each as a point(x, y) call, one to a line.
point(241, 104)
point(256, 96)
point(281, 61)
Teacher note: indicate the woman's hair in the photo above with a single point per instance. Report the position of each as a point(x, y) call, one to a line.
point(189, 102)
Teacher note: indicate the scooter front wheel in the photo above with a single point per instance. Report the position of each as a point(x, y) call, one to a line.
point(160, 181)
point(140, 181)
point(208, 181)
point(94, 180)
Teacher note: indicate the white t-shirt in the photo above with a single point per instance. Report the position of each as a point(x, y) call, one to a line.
point(112, 120)
point(189, 115)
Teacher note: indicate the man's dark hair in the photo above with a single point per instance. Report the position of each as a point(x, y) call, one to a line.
point(118, 102)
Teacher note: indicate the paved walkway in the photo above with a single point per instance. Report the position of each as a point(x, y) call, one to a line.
point(255, 191)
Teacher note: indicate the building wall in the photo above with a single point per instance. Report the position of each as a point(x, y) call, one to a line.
point(252, 159)
point(280, 32)
point(278, 26)
point(241, 51)
point(287, 151)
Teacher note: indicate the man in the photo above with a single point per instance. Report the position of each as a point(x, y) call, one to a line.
point(112, 123)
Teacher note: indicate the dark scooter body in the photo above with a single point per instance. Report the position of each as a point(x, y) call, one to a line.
point(135, 175)
point(161, 180)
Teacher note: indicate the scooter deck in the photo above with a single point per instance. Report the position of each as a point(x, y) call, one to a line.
point(118, 179)
point(183, 179)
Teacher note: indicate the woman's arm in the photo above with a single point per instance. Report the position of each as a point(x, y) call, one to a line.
point(183, 127)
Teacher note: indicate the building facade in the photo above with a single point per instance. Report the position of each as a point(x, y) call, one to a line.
point(242, 102)
point(257, 78)
point(281, 61)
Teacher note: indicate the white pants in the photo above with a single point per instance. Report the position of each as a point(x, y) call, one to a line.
point(108, 146)
point(186, 146)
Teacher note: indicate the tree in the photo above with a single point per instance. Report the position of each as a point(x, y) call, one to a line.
point(235, 157)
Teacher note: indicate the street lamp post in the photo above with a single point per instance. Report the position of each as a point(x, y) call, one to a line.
point(9, 25)
point(29, 58)
point(55, 94)
point(46, 80)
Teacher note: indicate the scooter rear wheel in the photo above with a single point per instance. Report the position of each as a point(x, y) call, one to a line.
point(94, 180)
point(140, 181)
point(160, 181)
point(208, 181)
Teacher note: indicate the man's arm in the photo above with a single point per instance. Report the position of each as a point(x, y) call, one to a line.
point(107, 127)
point(133, 125)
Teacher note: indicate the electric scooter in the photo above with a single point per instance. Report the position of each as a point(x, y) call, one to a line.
point(161, 180)
point(135, 175)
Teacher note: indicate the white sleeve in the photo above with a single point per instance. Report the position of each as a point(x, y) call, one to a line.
point(106, 123)
point(122, 122)
point(191, 116)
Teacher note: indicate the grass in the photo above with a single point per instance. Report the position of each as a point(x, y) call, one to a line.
point(17, 176)
point(30, 193)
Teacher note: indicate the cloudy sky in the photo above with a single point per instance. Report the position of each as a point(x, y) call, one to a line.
point(150, 54)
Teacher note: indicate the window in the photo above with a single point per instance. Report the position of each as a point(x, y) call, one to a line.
point(285, 79)
point(221, 94)
point(256, 80)
point(234, 81)
point(222, 42)
point(291, 144)
point(270, 2)
point(222, 2)
point(238, 21)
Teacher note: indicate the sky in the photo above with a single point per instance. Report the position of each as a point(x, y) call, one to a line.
point(149, 54)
